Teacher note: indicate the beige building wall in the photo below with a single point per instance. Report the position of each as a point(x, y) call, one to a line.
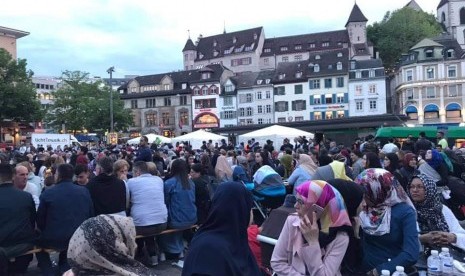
point(8, 39)
point(8, 43)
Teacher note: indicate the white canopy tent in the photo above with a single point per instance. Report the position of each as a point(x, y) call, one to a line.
point(276, 134)
point(195, 138)
point(152, 138)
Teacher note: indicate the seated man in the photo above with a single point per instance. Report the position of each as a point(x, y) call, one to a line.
point(148, 208)
point(20, 182)
point(61, 210)
point(17, 223)
point(107, 191)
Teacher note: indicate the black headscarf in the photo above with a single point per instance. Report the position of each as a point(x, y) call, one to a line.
point(220, 247)
point(429, 211)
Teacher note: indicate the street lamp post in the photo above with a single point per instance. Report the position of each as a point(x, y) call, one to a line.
point(110, 71)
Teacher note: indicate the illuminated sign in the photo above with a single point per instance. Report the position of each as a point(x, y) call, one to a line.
point(206, 120)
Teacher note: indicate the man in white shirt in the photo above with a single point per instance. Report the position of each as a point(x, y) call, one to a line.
point(20, 182)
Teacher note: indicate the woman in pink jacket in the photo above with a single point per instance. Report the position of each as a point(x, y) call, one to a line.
point(313, 241)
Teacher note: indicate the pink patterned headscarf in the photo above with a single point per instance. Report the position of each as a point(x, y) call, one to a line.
point(324, 195)
point(382, 192)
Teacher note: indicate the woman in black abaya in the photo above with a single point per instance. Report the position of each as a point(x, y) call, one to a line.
point(220, 246)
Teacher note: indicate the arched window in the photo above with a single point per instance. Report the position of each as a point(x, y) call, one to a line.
point(196, 91)
point(453, 110)
point(431, 111)
point(213, 90)
point(443, 17)
point(411, 112)
point(204, 90)
point(462, 16)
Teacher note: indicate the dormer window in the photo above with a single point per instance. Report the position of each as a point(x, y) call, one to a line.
point(267, 50)
point(339, 66)
point(255, 36)
point(450, 53)
point(259, 82)
point(311, 45)
point(206, 75)
point(200, 55)
point(330, 66)
point(298, 75)
point(283, 48)
point(234, 39)
point(352, 64)
point(215, 43)
point(317, 57)
point(298, 47)
point(316, 68)
point(250, 48)
point(282, 76)
point(429, 53)
point(339, 54)
point(267, 81)
point(325, 44)
point(215, 53)
point(238, 50)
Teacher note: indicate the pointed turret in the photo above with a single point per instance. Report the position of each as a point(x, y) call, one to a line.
point(189, 46)
point(413, 5)
point(356, 15)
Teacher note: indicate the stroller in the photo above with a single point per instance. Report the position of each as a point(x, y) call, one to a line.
point(268, 190)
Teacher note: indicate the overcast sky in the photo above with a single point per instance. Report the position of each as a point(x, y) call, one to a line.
point(143, 37)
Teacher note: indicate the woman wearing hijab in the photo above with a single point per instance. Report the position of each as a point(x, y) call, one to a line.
point(389, 231)
point(220, 246)
point(223, 170)
point(285, 167)
point(438, 225)
point(313, 243)
point(105, 245)
point(304, 171)
point(352, 193)
point(436, 161)
point(408, 170)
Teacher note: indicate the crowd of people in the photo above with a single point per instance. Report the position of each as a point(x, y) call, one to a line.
point(350, 210)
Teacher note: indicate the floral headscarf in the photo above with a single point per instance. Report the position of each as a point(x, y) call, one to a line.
point(105, 245)
point(430, 217)
point(324, 195)
point(382, 192)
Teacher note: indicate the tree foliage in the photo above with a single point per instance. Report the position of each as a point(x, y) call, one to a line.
point(18, 99)
point(84, 104)
point(399, 31)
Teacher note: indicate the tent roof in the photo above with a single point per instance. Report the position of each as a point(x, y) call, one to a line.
point(152, 137)
point(199, 135)
point(278, 131)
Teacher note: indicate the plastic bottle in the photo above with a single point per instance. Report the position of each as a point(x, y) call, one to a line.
point(385, 272)
point(446, 262)
point(399, 271)
point(434, 264)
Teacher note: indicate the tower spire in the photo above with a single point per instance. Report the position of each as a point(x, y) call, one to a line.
point(224, 26)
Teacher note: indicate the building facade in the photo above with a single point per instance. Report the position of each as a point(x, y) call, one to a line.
point(430, 82)
point(367, 88)
point(249, 50)
point(174, 103)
